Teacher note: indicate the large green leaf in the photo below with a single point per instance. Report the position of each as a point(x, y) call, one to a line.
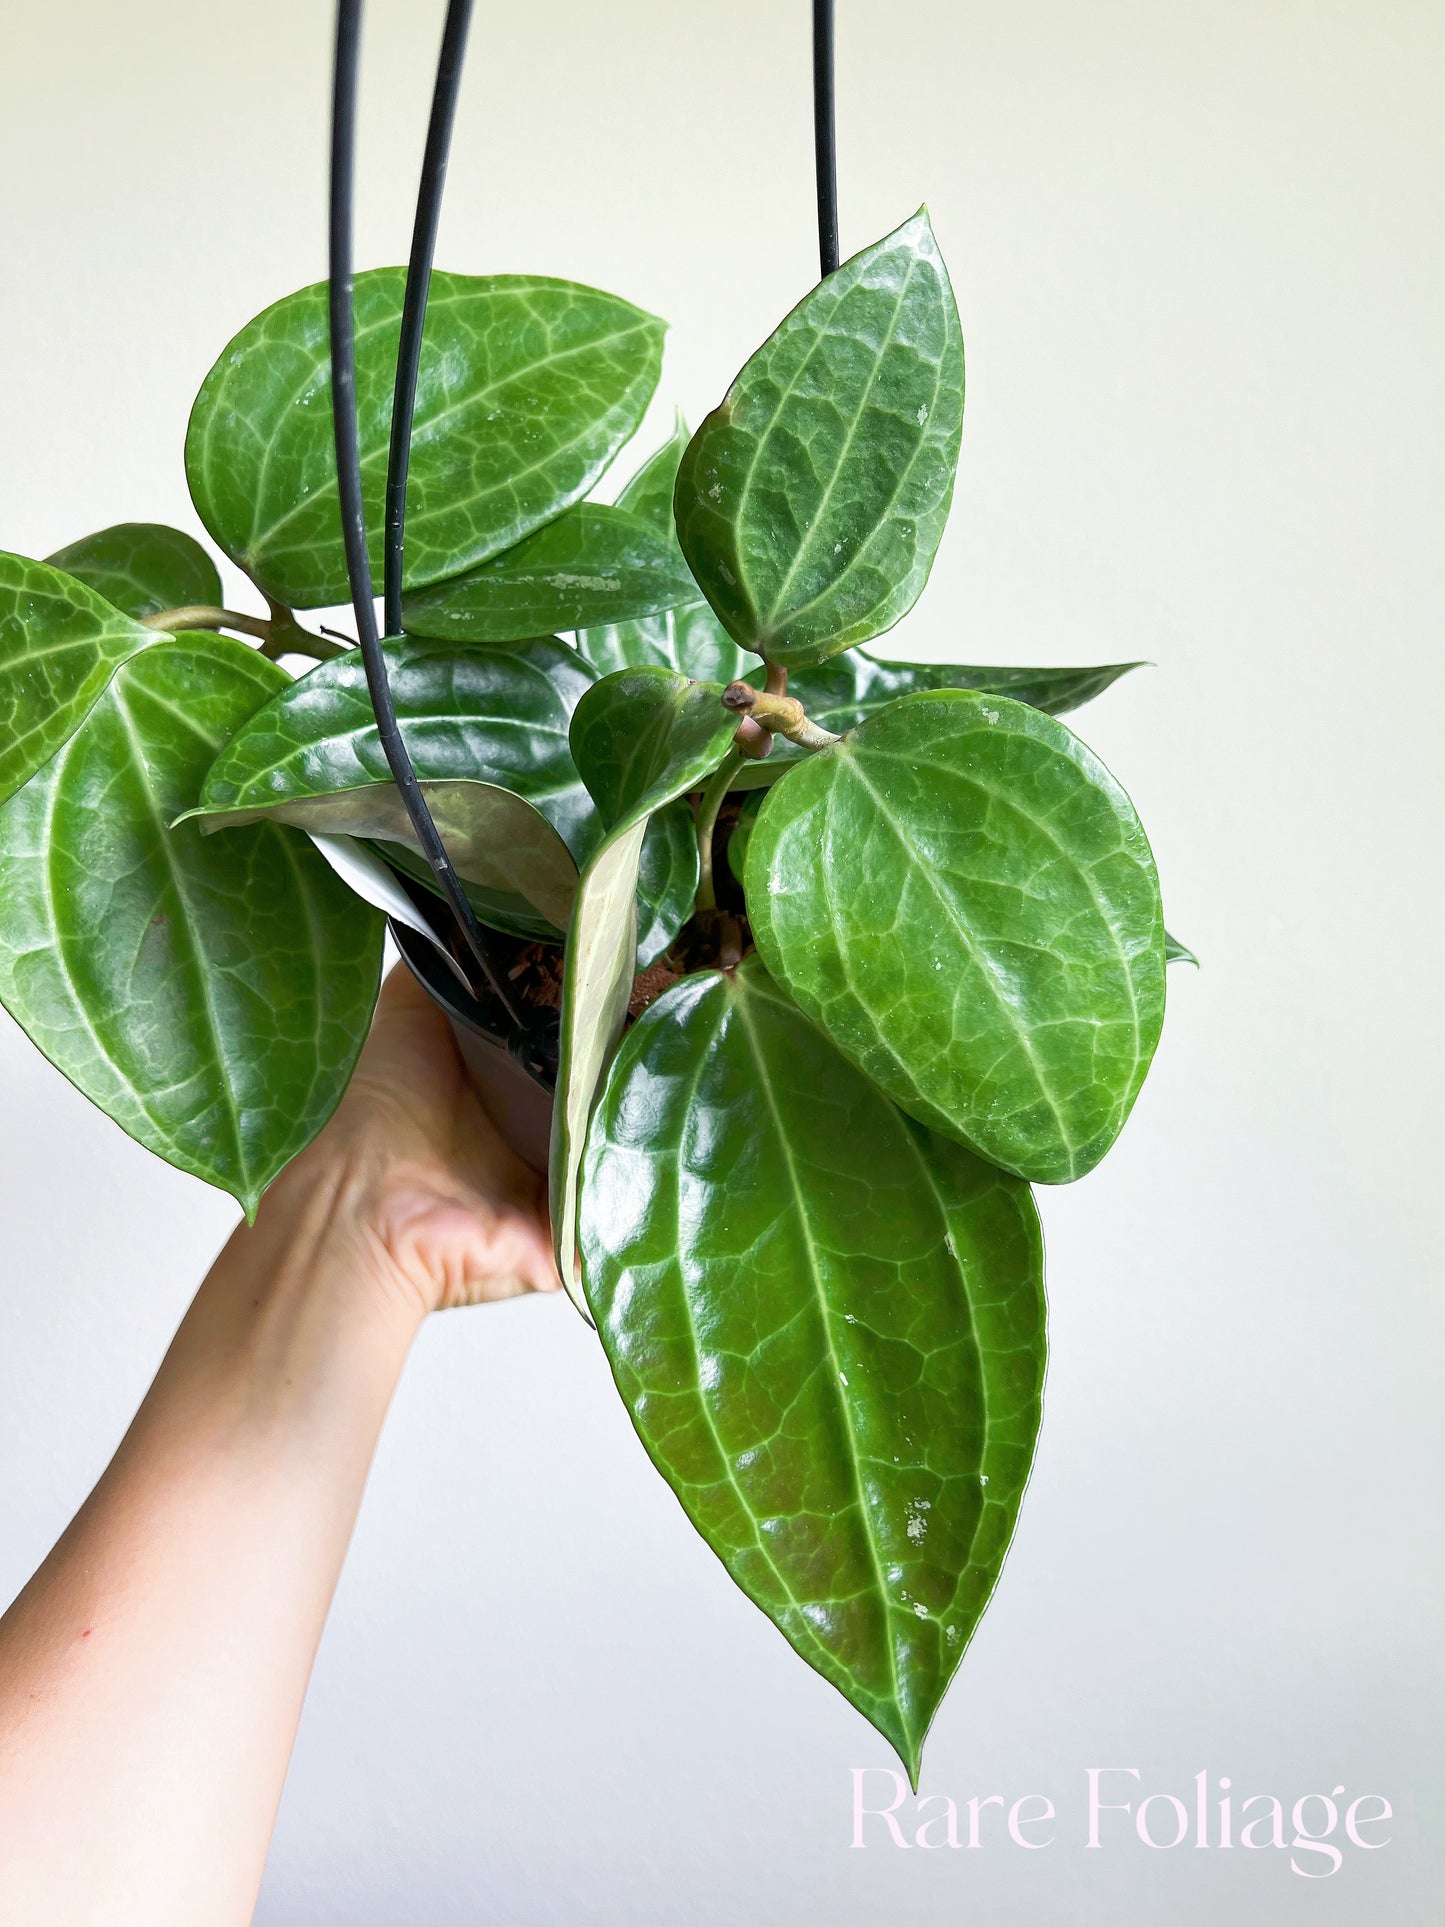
point(962, 896)
point(641, 738)
point(846, 690)
point(811, 503)
point(60, 644)
point(142, 567)
point(209, 994)
point(592, 564)
point(827, 1324)
point(474, 713)
point(689, 637)
point(528, 388)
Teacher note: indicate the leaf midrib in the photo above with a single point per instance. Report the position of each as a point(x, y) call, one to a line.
point(741, 993)
point(266, 537)
point(1080, 868)
point(970, 944)
point(198, 958)
point(865, 394)
point(690, 1112)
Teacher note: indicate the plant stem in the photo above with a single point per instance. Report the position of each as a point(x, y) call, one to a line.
point(783, 715)
point(707, 814)
point(279, 633)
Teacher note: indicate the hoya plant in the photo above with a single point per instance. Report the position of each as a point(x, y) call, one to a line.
point(828, 958)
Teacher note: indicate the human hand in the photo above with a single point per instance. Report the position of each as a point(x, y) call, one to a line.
point(439, 1210)
point(144, 1783)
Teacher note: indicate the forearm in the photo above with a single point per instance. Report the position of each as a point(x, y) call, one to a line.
point(152, 1673)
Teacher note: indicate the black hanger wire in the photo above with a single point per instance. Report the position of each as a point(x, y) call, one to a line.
point(348, 458)
point(343, 390)
point(825, 142)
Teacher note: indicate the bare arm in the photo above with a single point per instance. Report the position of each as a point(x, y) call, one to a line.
point(152, 1672)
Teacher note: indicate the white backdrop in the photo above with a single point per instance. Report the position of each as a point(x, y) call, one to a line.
point(1200, 257)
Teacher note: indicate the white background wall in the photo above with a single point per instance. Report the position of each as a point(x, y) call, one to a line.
point(1199, 251)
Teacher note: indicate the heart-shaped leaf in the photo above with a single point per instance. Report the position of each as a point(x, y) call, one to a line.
point(963, 897)
point(209, 994)
point(688, 638)
point(60, 644)
point(637, 733)
point(528, 388)
point(592, 564)
point(641, 738)
point(827, 1324)
point(142, 567)
point(493, 715)
point(666, 880)
point(811, 503)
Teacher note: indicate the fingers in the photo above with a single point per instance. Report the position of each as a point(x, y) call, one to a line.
point(463, 1252)
point(454, 1204)
point(407, 1027)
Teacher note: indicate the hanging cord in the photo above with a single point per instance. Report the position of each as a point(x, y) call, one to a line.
point(348, 457)
point(825, 145)
point(418, 286)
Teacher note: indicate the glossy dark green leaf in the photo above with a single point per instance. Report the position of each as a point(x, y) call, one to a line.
point(635, 731)
point(592, 564)
point(488, 714)
point(851, 687)
point(811, 503)
point(528, 388)
point(641, 738)
point(963, 897)
point(1175, 952)
point(209, 994)
point(649, 492)
point(142, 567)
point(843, 692)
point(666, 880)
point(742, 832)
point(688, 638)
point(60, 644)
point(827, 1324)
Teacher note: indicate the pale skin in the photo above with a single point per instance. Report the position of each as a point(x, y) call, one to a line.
point(152, 1672)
